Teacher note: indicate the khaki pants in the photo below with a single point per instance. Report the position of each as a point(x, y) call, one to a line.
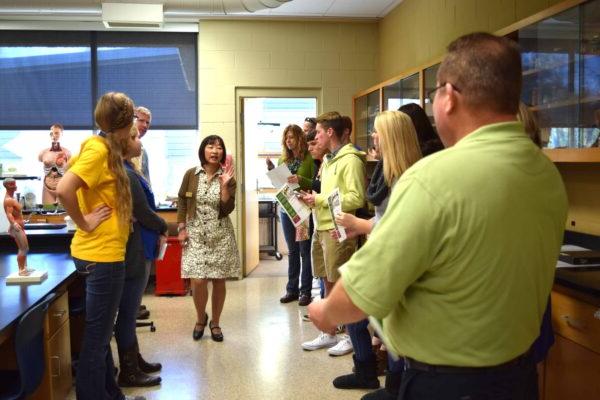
point(328, 254)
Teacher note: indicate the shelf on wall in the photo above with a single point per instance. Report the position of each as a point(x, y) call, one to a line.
point(565, 103)
point(550, 67)
point(574, 155)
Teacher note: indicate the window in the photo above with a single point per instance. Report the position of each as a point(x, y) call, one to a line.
point(156, 70)
point(56, 77)
point(45, 77)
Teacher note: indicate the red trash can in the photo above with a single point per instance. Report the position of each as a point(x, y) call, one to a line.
point(168, 271)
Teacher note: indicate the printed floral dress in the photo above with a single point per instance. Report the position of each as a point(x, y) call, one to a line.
point(211, 252)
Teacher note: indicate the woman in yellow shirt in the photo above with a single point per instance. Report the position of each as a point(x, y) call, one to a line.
point(95, 193)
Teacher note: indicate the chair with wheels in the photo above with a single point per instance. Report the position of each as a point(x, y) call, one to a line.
point(29, 349)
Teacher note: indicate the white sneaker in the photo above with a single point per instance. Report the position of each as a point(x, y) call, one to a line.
point(320, 342)
point(344, 346)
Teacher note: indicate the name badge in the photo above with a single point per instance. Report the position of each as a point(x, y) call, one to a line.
point(188, 194)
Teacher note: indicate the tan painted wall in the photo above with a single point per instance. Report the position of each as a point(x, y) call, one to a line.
point(418, 31)
point(338, 58)
point(583, 188)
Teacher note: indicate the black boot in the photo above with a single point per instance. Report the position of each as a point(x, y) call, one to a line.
point(364, 377)
point(390, 392)
point(144, 365)
point(130, 374)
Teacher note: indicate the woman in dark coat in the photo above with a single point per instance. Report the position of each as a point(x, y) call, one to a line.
point(149, 231)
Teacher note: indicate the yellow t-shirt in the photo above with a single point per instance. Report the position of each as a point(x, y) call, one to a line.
point(107, 242)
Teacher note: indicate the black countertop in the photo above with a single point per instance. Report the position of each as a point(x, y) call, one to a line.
point(16, 299)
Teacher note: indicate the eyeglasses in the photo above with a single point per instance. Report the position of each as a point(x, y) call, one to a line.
point(311, 120)
point(431, 94)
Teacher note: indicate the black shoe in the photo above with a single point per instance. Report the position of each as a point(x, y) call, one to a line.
point(288, 298)
point(390, 392)
point(364, 377)
point(143, 314)
point(216, 336)
point(142, 307)
point(304, 299)
point(198, 332)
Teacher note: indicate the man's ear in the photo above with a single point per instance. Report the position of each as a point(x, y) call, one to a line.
point(451, 99)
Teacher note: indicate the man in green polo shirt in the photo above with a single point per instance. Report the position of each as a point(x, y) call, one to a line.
point(460, 267)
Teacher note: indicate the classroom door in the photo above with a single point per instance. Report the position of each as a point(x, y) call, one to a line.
point(263, 115)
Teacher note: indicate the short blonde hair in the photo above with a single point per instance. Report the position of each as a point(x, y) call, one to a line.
point(530, 124)
point(398, 143)
point(142, 110)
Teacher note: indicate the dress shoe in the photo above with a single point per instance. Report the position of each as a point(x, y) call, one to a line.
point(143, 314)
point(215, 332)
point(304, 299)
point(288, 298)
point(199, 328)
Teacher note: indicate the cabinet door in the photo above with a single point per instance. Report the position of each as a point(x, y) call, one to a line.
point(58, 378)
point(572, 372)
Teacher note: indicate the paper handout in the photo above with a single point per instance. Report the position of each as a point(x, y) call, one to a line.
point(335, 208)
point(293, 206)
point(279, 177)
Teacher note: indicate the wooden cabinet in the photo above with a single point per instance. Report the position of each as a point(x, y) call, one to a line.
point(571, 372)
point(561, 61)
point(560, 54)
point(572, 369)
point(57, 380)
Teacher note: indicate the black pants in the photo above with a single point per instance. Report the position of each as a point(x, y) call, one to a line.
point(514, 382)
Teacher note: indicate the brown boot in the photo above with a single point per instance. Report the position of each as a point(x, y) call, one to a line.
point(145, 366)
point(130, 374)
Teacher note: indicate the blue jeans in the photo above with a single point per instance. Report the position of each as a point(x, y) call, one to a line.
point(361, 340)
point(133, 290)
point(297, 250)
point(95, 373)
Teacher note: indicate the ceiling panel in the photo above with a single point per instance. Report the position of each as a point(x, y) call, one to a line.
point(207, 8)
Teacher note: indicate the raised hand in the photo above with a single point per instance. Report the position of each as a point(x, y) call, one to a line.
point(270, 164)
point(227, 175)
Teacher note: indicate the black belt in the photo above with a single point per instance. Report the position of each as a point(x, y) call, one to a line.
point(410, 363)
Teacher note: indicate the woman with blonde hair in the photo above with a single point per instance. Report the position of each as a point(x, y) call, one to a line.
point(396, 142)
point(95, 193)
point(148, 231)
point(296, 156)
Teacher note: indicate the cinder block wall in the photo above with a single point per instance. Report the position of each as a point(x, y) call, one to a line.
point(337, 58)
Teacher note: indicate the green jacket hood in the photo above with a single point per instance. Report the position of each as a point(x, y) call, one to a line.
point(347, 150)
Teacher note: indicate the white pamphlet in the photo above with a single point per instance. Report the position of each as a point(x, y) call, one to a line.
point(295, 208)
point(279, 177)
point(162, 251)
point(335, 208)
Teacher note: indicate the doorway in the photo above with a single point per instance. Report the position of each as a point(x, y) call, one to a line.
point(264, 113)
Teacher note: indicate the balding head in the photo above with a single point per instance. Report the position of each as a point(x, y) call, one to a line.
point(486, 70)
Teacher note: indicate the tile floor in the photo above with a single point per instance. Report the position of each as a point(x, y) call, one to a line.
point(260, 357)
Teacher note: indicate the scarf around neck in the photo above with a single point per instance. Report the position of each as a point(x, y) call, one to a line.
point(377, 190)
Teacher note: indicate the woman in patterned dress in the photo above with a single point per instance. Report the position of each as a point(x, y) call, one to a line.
point(206, 198)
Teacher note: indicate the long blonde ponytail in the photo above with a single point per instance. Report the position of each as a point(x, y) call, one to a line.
point(114, 115)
